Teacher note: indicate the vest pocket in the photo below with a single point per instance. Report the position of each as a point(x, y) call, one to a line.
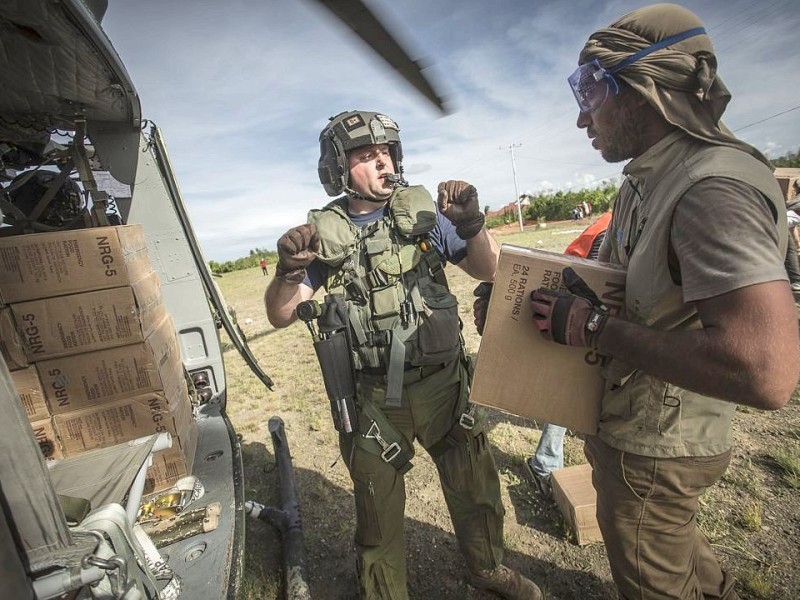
point(438, 336)
point(669, 419)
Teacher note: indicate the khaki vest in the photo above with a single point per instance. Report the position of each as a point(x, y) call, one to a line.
point(640, 413)
point(400, 307)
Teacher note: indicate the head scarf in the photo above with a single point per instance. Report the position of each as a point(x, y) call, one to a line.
point(679, 81)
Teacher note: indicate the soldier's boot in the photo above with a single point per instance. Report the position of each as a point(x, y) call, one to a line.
point(511, 585)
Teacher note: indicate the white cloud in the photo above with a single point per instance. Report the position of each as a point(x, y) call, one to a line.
point(241, 90)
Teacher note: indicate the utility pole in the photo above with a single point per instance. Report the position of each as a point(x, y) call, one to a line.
point(516, 187)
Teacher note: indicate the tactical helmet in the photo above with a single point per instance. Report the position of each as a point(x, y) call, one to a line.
point(348, 130)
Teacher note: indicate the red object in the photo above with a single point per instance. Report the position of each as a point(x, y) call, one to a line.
point(582, 245)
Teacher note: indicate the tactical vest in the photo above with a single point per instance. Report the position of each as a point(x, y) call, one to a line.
point(400, 307)
point(640, 413)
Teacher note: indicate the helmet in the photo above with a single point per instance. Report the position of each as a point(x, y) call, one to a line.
point(348, 130)
point(27, 190)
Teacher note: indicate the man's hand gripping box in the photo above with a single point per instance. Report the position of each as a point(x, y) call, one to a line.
point(520, 372)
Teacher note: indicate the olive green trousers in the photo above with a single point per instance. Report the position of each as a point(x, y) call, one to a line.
point(467, 473)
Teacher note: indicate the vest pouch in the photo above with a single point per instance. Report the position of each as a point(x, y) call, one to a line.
point(377, 250)
point(413, 210)
point(439, 330)
point(386, 301)
point(337, 240)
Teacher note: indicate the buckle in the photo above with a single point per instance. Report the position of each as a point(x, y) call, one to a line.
point(385, 455)
point(390, 451)
point(467, 421)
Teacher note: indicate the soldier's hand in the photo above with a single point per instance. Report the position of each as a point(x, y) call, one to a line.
point(573, 318)
point(481, 304)
point(458, 201)
point(296, 249)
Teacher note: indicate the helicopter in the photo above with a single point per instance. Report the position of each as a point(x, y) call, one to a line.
point(78, 159)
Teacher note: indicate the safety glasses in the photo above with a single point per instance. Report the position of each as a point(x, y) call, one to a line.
point(592, 84)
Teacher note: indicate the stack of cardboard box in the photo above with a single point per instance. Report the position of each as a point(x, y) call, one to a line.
point(93, 352)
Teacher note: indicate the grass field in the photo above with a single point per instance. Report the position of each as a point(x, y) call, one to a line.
point(752, 516)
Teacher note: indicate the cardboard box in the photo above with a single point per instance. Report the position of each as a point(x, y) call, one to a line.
point(65, 325)
point(29, 388)
point(10, 342)
point(577, 499)
point(83, 380)
point(45, 434)
point(787, 177)
point(41, 265)
point(122, 420)
point(170, 465)
point(520, 372)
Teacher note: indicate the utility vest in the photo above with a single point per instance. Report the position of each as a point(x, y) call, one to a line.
point(400, 307)
point(640, 413)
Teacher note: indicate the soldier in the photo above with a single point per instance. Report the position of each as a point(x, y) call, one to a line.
point(382, 246)
point(708, 320)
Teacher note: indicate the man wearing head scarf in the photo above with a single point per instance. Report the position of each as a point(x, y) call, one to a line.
point(708, 321)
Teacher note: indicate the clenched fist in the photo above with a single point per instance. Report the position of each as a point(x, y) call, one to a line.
point(296, 249)
point(458, 201)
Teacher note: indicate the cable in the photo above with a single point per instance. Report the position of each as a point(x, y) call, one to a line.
point(788, 110)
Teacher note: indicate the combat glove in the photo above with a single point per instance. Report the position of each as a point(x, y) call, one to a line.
point(481, 304)
point(296, 249)
point(573, 318)
point(458, 201)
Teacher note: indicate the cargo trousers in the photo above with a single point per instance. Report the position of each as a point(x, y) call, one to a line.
point(467, 472)
point(647, 513)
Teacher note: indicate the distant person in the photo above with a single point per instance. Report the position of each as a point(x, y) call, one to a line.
point(263, 264)
point(382, 245)
point(792, 261)
point(708, 320)
point(549, 454)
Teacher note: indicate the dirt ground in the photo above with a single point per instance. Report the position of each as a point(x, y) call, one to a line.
point(752, 516)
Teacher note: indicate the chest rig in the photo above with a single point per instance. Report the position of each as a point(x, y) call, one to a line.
point(400, 308)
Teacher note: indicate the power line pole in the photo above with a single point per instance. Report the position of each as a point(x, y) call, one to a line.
point(516, 187)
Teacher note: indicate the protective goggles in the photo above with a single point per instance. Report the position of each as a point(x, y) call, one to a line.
point(591, 83)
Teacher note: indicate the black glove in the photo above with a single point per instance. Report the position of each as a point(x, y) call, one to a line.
point(481, 305)
point(296, 249)
point(574, 318)
point(458, 201)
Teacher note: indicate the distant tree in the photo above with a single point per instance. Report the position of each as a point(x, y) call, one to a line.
point(790, 159)
point(558, 206)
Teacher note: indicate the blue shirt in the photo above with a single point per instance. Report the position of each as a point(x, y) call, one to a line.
point(447, 244)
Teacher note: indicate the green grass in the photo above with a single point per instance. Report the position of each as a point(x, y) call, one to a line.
point(750, 518)
point(757, 583)
point(788, 460)
point(745, 477)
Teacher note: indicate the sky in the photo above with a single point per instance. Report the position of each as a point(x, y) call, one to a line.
point(242, 88)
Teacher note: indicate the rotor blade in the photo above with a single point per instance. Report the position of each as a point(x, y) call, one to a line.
point(356, 15)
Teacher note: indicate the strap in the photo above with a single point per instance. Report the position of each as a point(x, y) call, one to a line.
point(397, 361)
point(465, 422)
point(435, 267)
point(81, 159)
point(388, 443)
